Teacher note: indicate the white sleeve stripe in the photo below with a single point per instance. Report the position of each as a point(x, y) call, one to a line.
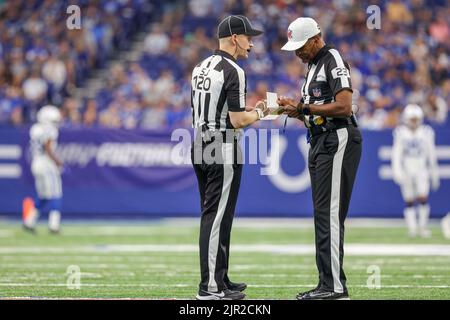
point(241, 88)
point(340, 64)
point(308, 81)
point(241, 76)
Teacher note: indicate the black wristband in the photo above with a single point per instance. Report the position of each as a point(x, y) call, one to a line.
point(306, 110)
point(300, 108)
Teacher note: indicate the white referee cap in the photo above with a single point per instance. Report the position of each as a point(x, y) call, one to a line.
point(299, 31)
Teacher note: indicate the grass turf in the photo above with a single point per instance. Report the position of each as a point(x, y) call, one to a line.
point(35, 265)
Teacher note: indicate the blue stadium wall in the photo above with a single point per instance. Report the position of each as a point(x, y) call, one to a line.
point(143, 174)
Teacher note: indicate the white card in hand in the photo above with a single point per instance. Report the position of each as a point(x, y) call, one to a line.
point(275, 109)
point(272, 100)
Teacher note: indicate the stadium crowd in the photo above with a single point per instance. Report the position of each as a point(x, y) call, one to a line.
point(406, 61)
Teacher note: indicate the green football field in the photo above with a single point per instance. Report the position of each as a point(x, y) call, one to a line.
point(159, 260)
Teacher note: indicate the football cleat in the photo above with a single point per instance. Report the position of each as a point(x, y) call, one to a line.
point(29, 229)
point(306, 292)
point(320, 294)
point(54, 231)
point(221, 295)
point(425, 233)
point(235, 286)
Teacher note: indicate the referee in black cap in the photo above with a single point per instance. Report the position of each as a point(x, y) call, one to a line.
point(219, 110)
point(326, 110)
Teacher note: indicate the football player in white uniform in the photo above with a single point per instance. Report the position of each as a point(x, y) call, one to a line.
point(46, 168)
point(445, 226)
point(414, 165)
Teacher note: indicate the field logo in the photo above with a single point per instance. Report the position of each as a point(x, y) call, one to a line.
point(374, 20)
point(275, 173)
point(374, 280)
point(74, 20)
point(74, 277)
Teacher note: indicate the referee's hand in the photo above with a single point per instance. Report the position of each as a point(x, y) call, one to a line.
point(290, 106)
point(262, 105)
point(291, 111)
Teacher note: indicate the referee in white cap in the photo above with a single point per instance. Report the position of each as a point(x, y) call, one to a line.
point(326, 110)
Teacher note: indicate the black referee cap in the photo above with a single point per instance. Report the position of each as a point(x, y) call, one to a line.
point(236, 25)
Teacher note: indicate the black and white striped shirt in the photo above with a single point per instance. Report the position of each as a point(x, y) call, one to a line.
point(218, 85)
point(327, 74)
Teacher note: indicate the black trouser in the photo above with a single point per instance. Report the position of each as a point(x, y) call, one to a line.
point(219, 187)
point(333, 161)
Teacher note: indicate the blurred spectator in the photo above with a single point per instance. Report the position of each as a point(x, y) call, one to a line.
point(446, 91)
point(130, 114)
point(439, 29)
point(398, 12)
point(35, 92)
point(55, 72)
point(157, 42)
point(11, 106)
point(155, 117)
point(163, 87)
point(17, 67)
point(35, 41)
point(435, 109)
point(71, 112)
point(37, 54)
point(16, 117)
point(401, 63)
point(109, 118)
point(200, 8)
point(90, 114)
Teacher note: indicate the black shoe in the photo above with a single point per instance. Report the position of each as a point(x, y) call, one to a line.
point(236, 286)
point(300, 294)
point(53, 231)
point(221, 295)
point(29, 229)
point(320, 294)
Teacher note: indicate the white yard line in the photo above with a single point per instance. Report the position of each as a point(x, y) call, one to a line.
point(288, 249)
point(130, 227)
point(186, 285)
point(151, 269)
point(3, 284)
point(126, 231)
point(360, 262)
point(293, 223)
point(350, 286)
point(6, 233)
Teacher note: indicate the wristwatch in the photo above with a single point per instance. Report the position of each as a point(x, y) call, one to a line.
point(303, 109)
